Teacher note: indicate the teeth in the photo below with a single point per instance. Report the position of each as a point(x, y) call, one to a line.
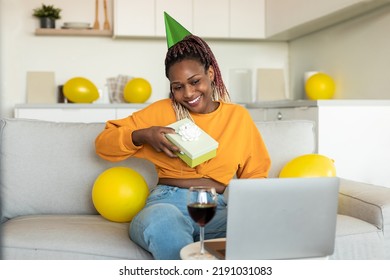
point(195, 100)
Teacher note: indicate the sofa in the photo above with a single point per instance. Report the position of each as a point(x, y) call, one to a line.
point(48, 170)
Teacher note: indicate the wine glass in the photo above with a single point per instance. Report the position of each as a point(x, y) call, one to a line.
point(202, 205)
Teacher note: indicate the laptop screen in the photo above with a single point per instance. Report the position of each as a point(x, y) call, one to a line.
point(281, 218)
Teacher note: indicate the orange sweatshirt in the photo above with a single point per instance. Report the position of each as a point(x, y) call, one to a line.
point(241, 150)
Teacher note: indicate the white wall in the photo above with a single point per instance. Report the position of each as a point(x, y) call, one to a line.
point(355, 53)
point(98, 58)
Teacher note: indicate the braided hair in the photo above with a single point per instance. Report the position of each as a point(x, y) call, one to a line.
point(193, 47)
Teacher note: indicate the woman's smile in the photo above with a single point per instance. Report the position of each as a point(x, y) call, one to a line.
point(195, 101)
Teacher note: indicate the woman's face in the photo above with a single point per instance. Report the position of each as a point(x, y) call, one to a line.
point(191, 86)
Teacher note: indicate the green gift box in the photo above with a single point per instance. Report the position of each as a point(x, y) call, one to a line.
point(196, 146)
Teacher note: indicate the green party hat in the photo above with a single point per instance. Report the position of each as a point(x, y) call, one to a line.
point(175, 32)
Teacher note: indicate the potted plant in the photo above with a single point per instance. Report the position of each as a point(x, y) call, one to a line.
point(47, 15)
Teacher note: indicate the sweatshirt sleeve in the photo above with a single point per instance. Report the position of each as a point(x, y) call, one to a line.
point(115, 143)
point(257, 161)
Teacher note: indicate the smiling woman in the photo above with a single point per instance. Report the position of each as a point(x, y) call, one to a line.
point(191, 86)
point(197, 92)
point(194, 54)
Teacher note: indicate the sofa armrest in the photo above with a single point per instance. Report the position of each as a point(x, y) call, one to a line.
point(367, 202)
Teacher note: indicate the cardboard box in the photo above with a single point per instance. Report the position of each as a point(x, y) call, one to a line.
point(196, 145)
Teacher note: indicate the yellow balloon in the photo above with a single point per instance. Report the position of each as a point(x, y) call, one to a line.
point(320, 86)
point(310, 165)
point(119, 193)
point(80, 90)
point(137, 90)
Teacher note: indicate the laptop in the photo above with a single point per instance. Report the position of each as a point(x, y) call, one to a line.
point(279, 218)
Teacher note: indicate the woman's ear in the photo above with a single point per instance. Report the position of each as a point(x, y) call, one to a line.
point(210, 73)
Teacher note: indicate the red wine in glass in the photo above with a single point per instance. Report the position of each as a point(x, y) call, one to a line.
point(202, 206)
point(202, 213)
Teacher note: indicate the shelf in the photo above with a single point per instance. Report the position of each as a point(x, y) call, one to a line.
point(82, 106)
point(72, 32)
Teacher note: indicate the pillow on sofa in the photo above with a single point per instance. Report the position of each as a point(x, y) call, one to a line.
point(286, 140)
point(50, 168)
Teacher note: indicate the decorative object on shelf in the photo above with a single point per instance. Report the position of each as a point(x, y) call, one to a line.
point(137, 90)
point(76, 25)
point(83, 32)
point(106, 24)
point(240, 85)
point(96, 24)
point(47, 15)
point(320, 86)
point(60, 94)
point(309, 165)
point(40, 87)
point(271, 85)
point(80, 90)
point(115, 86)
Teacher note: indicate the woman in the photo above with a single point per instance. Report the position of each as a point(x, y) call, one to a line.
point(163, 227)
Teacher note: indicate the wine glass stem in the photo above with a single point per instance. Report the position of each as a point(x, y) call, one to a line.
point(202, 240)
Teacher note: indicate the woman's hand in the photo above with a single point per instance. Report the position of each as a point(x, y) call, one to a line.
point(155, 137)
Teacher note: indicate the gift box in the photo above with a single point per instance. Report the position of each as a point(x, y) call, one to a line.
point(196, 146)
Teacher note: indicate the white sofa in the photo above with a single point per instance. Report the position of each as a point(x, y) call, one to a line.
point(48, 170)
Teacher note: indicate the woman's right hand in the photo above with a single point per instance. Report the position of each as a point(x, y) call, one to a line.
point(155, 137)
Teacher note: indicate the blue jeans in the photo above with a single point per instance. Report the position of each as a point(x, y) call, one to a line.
point(164, 226)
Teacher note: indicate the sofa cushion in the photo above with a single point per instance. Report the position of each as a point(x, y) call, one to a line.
point(286, 140)
point(364, 201)
point(50, 168)
point(69, 237)
point(357, 240)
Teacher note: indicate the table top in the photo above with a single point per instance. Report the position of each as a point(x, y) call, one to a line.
point(190, 249)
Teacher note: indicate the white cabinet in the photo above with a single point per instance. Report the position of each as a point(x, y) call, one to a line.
point(285, 113)
point(357, 138)
point(211, 18)
point(354, 133)
point(293, 18)
point(235, 19)
point(145, 18)
point(76, 112)
point(134, 18)
point(247, 19)
point(180, 10)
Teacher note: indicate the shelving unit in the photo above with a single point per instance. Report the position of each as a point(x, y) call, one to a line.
point(77, 112)
point(72, 32)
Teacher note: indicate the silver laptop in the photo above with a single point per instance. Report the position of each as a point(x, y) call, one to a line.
point(277, 218)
